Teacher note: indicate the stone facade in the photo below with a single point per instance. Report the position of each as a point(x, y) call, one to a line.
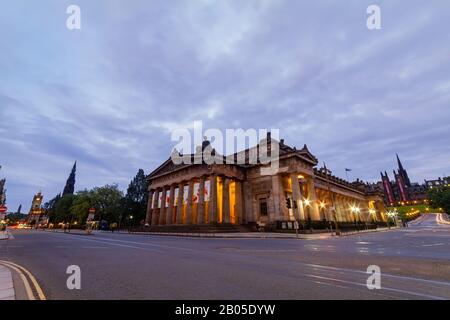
point(189, 194)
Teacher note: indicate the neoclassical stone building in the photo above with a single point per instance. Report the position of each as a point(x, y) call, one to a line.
point(191, 194)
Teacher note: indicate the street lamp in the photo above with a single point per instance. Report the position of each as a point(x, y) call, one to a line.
point(393, 215)
point(131, 221)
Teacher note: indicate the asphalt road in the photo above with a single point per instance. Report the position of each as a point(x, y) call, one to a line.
point(414, 262)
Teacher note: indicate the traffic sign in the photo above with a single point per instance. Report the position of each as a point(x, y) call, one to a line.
point(3, 209)
point(92, 210)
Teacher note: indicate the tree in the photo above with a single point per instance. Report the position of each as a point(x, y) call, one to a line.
point(108, 201)
point(50, 207)
point(62, 208)
point(81, 203)
point(135, 201)
point(440, 198)
point(70, 183)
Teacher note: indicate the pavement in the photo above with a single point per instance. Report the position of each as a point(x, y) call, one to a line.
point(231, 235)
point(414, 264)
point(6, 284)
point(4, 235)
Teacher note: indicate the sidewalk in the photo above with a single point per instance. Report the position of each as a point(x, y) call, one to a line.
point(6, 284)
point(4, 235)
point(234, 235)
point(258, 235)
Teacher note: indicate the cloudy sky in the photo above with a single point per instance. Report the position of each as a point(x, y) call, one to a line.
point(110, 94)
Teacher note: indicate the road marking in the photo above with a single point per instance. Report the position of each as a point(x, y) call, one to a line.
point(116, 244)
point(432, 245)
point(445, 283)
point(24, 280)
point(28, 273)
point(383, 288)
point(111, 242)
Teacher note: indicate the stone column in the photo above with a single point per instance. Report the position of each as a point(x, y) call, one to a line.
point(297, 197)
point(189, 209)
point(180, 204)
point(155, 208)
point(239, 210)
point(213, 199)
point(313, 198)
point(249, 214)
point(148, 216)
point(201, 201)
point(226, 201)
point(276, 197)
point(162, 211)
point(169, 211)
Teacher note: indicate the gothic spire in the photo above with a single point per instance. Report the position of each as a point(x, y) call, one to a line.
point(400, 166)
point(70, 183)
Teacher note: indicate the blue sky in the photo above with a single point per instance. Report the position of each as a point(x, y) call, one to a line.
point(109, 95)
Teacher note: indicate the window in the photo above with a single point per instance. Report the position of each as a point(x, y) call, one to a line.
point(263, 207)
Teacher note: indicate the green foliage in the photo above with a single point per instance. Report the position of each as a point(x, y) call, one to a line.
point(440, 198)
point(81, 204)
point(403, 210)
point(108, 202)
point(135, 201)
point(16, 217)
point(50, 207)
point(62, 207)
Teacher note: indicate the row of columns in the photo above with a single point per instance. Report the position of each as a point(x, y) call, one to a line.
point(165, 216)
point(343, 204)
point(299, 209)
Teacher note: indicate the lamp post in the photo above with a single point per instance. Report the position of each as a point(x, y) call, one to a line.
point(131, 223)
point(393, 215)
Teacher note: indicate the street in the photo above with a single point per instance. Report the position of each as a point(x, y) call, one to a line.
point(414, 262)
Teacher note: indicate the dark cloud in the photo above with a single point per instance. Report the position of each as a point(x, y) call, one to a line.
point(110, 94)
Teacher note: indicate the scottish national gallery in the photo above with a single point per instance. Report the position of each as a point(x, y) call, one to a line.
point(197, 194)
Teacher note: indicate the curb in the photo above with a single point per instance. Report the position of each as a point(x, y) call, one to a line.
point(7, 291)
point(4, 235)
point(27, 285)
point(237, 235)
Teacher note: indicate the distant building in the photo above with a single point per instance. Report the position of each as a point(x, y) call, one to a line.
point(401, 191)
point(36, 215)
point(438, 184)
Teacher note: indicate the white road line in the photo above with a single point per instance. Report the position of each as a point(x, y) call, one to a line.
point(115, 244)
point(383, 288)
point(444, 283)
point(432, 245)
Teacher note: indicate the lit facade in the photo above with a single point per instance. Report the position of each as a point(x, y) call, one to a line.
point(195, 194)
point(36, 214)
